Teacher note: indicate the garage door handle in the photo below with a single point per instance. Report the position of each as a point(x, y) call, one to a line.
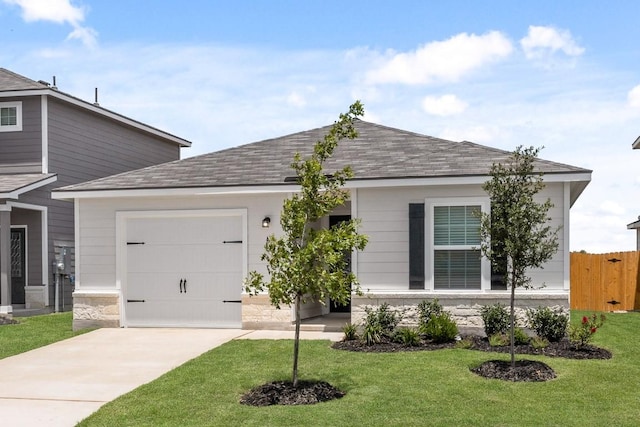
point(184, 285)
point(135, 300)
point(135, 243)
point(181, 282)
point(232, 241)
point(237, 301)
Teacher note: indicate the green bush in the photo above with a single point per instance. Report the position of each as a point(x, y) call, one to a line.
point(379, 323)
point(407, 336)
point(498, 340)
point(464, 343)
point(539, 342)
point(520, 337)
point(350, 332)
point(441, 328)
point(581, 334)
point(425, 310)
point(549, 324)
point(495, 319)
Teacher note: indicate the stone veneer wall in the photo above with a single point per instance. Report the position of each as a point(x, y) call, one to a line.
point(95, 310)
point(464, 308)
point(258, 313)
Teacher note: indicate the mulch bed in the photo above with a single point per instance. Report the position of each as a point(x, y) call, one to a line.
point(284, 393)
point(524, 370)
point(555, 349)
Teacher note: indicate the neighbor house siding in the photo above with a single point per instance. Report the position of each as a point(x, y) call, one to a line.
point(21, 151)
point(384, 264)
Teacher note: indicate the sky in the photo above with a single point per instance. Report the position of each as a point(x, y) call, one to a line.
point(563, 75)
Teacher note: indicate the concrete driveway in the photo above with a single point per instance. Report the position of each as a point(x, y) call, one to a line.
point(63, 383)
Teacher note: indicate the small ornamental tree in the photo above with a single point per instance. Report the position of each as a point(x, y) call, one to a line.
point(307, 264)
point(516, 235)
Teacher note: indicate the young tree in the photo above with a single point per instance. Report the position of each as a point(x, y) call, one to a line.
point(516, 235)
point(309, 264)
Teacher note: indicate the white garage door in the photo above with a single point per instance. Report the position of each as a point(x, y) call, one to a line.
point(184, 271)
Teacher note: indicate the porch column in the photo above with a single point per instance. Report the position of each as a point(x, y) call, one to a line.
point(5, 259)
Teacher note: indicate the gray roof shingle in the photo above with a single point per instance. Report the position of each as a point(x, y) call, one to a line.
point(379, 152)
point(10, 183)
point(10, 81)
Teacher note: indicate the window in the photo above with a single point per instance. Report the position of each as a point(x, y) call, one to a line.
point(10, 116)
point(456, 247)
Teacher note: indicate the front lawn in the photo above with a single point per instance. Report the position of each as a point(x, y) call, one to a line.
point(34, 332)
point(390, 389)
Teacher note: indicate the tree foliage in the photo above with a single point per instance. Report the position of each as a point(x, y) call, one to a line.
point(307, 263)
point(516, 235)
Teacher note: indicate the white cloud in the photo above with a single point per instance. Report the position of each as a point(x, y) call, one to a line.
point(445, 105)
point(296, 100)
point(60, 12)
point(446, 61)
point(634, 97)
point(542, 42)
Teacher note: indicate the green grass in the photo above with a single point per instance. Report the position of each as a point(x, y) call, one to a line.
point(401, 389)
point(34, 332)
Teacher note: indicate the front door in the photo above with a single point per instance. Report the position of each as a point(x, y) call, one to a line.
point(333, 306)
point(18, 265)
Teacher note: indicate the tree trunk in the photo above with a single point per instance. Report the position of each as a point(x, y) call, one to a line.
point(512, 325)
point(296, 343)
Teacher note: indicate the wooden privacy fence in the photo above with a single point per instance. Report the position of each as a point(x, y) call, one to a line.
point(605, 282)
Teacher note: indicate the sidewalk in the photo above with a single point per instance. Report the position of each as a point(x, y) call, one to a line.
point(63, 383)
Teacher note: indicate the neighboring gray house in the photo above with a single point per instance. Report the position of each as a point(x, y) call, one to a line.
point(169, 245)
point(50, 139)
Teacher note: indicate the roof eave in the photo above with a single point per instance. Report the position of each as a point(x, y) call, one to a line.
point(15, 194)
point(98, 110)
point(636, 144)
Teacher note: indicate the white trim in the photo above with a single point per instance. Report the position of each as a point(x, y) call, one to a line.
point(566, 225)
point(485, 265)
point(44, 241)
point(77, 247)
point(99, 110)
point(121, 241)
point(44, 117)
point(41, 183)
point(354, 214)
point(18, 126)
point(286, 188)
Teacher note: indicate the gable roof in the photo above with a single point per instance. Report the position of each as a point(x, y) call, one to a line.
point(378, 153)
point(15, 85)
point(13, 185)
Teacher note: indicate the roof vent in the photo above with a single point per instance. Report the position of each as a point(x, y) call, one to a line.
point(54, 87)
point(42, 82)
point(96, 98)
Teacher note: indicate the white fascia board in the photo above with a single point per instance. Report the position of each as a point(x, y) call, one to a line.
point(16, 193)
point(102, 111)
point(170, 192)
point(266, 189)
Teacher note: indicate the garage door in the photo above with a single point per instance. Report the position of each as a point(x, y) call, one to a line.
point(183, 271)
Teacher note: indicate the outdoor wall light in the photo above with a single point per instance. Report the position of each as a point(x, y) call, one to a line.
point(265, 222)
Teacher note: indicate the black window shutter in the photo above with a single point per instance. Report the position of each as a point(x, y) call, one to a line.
point(416, 245)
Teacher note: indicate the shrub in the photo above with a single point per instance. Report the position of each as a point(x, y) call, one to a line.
point(350, 332)
point(495, 319)
point(548, 324)
point(425, 310)
point(379, 322)
point(441, 328)
point(581, 334)
point(539, 342)
point(498, 340)
point(520, 337)
point(407, 336)
point(464, 343)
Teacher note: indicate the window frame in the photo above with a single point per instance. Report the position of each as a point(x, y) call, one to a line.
point(18, 126)
point(485, 265)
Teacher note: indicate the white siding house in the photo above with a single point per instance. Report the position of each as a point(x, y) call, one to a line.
point(169, 245)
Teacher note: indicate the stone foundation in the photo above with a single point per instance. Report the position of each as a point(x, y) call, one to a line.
point(95, 310)
point(258, 313)
point(464, 308)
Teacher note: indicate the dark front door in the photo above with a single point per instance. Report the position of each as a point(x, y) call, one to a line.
point(333, 306)
point(18, 265)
